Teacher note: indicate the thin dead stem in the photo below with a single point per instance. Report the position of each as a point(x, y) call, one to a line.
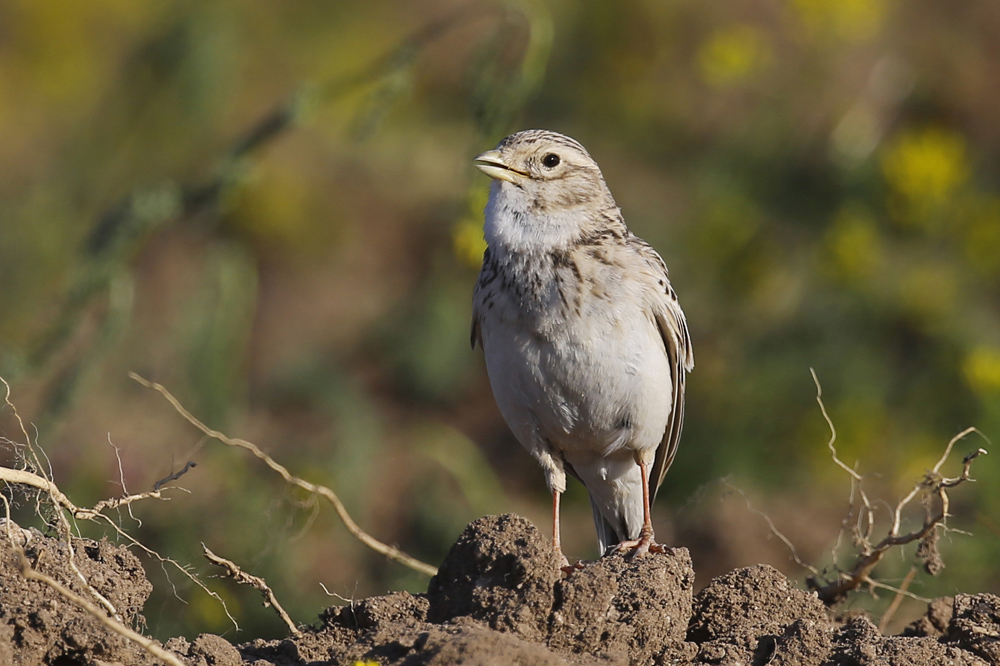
point(932, 486)
point(833, 430)
point(898, 599)
point(326, 493)
point(256, 582)
point(879, 585)
point(865, 520)
point(61, 503)
point(121, 481)
point(59, 499)
point(775, 531)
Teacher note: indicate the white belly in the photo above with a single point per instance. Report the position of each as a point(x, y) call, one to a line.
point(589, 388)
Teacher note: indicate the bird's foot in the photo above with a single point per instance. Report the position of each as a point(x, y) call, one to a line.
point(639, 547)
point(564, 564)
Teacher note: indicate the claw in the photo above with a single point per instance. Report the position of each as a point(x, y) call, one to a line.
point(645, 543)
point(639, 547)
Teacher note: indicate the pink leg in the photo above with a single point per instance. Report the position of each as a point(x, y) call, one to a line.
point(645, 543)
point(556, 543)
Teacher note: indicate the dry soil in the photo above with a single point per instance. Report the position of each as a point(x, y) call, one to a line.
point(500, 599)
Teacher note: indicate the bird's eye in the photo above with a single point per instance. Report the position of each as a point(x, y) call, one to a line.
point(550, 161)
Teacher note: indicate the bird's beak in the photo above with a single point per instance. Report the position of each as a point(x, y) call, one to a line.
point(491, 163)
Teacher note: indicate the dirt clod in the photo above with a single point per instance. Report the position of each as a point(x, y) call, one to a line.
point(975, 623)
point(859, 643)
point(38, 626)
point(500, 571)
point(500, 599)
point(746, 616)
point(630, 610)
point(935, 621)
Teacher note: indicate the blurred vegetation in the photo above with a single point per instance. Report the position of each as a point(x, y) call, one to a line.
point(271, 209)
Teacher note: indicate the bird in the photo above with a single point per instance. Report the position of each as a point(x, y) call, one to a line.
point(586, 346)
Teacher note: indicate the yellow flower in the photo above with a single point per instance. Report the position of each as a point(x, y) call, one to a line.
point(924, 168)
point(982, 370)
point(732, 55)
point(467, 234)
point(468, 243)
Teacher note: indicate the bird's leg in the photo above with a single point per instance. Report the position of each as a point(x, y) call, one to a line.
point(645, 542)
point(556, 542)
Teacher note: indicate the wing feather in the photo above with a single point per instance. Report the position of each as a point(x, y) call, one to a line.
point(486, 276)
point(476, 336)
point(672, 323)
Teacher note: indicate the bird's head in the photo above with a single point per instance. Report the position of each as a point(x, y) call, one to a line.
point(545, 171)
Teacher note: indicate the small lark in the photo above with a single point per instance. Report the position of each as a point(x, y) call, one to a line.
point(586, 346)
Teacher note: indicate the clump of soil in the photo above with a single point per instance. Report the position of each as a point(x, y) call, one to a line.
point(500, 599)
point(38, 626)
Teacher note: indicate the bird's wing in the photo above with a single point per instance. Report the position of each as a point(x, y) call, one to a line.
point(486, 276)
point(476, 335)
point(673, 329)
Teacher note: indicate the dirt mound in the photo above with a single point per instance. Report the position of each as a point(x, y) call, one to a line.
point(37, 626)
point(499, 599)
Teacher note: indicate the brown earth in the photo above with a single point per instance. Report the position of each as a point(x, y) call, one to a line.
point(499, 599)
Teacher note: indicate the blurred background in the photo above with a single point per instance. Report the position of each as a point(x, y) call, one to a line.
point(271, 208)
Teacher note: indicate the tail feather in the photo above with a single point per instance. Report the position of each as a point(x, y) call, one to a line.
point(607, 534)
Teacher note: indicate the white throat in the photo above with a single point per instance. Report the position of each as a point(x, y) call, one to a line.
point(511, 224)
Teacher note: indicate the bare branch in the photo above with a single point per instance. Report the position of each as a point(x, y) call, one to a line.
point(934, 486)
point(326, 493)
point(26, 478)
point(6, 399)
point(833, 430)
point(61, 503)
point(256, 582)
point(121, 477)
point(865, 521)
point(879, 585)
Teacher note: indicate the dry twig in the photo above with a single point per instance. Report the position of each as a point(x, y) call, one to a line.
point(175, 475)
point(934, 486)
point(894, 606)
point(326, 493)
point(256, 582)
point(63, 505)
point(61, 502)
